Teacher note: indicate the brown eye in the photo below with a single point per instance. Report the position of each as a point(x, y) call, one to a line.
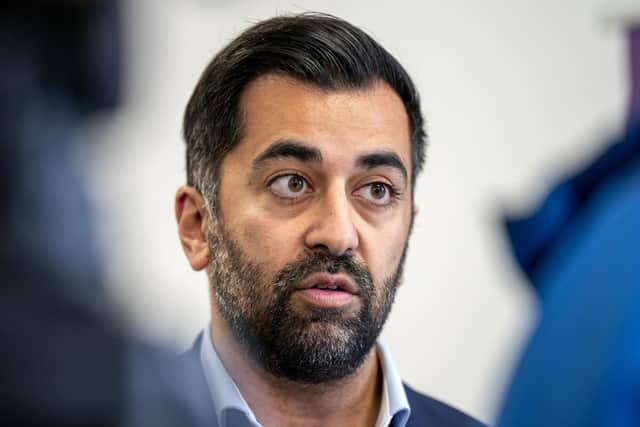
point(295, 183)
point(378, 191)
point(289, 186)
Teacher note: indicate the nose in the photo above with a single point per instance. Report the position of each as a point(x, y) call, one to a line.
point(332, 227)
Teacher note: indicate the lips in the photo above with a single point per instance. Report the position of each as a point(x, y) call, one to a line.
point(329, 282)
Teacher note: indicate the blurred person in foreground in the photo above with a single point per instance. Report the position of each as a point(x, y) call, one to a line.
point(581, 252)
point(63, 360)
point(61, 364)
point(304, 140)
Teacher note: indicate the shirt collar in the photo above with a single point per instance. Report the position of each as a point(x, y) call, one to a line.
point(394, 395)
point(228, 403)
point(232, 410)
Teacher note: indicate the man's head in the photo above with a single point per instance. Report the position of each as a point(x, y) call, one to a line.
point(319, 50)
point(304, 139)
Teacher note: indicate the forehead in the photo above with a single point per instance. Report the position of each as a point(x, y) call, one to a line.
point(342, 124)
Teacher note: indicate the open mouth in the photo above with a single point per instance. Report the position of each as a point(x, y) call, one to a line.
point(328, 287)
point(328, 290)
point(330, 282)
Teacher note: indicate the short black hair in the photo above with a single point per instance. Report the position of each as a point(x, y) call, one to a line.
point(316, 49)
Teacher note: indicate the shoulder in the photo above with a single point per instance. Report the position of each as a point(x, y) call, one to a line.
point(427, 411)
point(193, 354)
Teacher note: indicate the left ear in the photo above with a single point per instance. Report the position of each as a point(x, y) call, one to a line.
point(191, 216)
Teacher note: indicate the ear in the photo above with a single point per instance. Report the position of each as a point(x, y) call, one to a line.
point(191, 216)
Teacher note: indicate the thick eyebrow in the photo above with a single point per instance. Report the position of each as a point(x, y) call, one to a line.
point(382, 158)
point(294, 149)
point(290, 149)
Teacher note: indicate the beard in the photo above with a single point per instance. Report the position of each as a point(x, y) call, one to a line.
point(306, 344)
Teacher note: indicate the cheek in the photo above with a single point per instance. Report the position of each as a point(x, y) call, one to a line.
point(259, 237)
point(387, 261)
point(270, 243)
point(385, 251)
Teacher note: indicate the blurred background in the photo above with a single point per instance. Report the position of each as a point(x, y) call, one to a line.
point(515, 93)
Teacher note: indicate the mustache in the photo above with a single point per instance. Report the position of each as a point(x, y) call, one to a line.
point(320, 262)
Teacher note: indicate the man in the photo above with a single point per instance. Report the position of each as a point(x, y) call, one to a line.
point(304, 139)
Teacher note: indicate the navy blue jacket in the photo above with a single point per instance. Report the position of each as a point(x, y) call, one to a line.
point(425, 411)
point(429, 412)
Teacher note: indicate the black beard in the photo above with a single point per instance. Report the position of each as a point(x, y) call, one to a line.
point(318, 345)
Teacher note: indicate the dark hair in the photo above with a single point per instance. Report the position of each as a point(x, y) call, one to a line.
point(316, 49)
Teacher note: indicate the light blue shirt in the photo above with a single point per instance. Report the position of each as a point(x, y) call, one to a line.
point(233, 411)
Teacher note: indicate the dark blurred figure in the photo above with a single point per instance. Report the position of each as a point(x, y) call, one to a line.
point(581, 251)
point(61, 362)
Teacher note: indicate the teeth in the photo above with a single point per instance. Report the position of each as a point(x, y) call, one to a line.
point(330, 287)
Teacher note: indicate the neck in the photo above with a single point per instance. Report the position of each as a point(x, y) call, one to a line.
point(354, 400)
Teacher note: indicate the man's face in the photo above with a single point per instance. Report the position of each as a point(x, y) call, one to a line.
point(314, 210)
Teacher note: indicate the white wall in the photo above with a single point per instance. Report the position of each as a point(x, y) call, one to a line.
point(513, 92)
